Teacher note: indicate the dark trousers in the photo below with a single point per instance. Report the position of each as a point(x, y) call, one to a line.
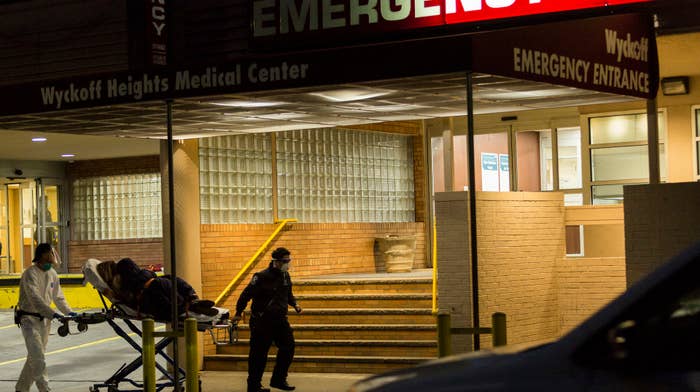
point(263, 332)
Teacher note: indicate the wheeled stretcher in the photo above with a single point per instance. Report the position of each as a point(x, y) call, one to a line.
point(222, 330)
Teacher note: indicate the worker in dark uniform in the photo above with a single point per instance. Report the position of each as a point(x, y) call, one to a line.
point(271, 292)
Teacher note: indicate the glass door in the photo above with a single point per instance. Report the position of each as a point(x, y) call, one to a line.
point(50, 216)
point(31, 212)
point(26, 228)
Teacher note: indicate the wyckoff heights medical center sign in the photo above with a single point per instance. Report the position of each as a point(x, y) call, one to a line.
point(615, 54)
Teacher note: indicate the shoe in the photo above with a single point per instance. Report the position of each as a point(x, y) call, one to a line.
point(282, 385)
point(204, 307)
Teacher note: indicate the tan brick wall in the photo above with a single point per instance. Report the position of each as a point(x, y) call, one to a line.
point(660, 221)
point(520, 238)
point(317, 249)
point(143, 251)
point(585, 285)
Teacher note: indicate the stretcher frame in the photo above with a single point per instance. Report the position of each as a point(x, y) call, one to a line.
point(116, 311)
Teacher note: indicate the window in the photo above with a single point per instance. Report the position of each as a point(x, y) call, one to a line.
point(619, 154)
point(235, 179)
point(323, 175)
point(569, 147)
point(117, 207)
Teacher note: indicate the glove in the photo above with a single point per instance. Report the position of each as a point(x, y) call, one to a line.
point(57, 316)
point(72, 314)
point(298, 308)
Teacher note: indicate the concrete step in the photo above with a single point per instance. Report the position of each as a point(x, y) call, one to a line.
point(358, 332)
point(361, 348)
point(361, 316)
point(316, 364)
point(337, 301)
point(364, 286)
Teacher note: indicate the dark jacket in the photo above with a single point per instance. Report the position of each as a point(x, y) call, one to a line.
point(271, 292)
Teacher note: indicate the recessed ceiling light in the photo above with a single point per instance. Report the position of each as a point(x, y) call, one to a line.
point(350, 94)
point(239, 103)
point(67, 155)
point(38, 139)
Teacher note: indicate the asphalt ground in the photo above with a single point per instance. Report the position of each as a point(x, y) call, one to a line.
point(78, 361)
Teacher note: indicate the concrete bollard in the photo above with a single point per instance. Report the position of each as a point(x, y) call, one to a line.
point(148, 355)
point(191, 356)
point(498, 323)
point(444, 334)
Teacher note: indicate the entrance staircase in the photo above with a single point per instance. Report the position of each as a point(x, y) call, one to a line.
point(351, 324)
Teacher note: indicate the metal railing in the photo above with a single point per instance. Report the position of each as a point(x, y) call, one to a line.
point(445, 332)
point(248, 265)
point(191, 355)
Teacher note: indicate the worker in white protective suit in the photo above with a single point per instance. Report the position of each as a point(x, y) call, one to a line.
point(38, 287)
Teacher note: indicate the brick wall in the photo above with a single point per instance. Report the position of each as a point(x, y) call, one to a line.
point(585, 285)
point(143, 251)
point(660, 221)
point(317, 249)
point(113, 167)
point(454, 269)
point(520, 238)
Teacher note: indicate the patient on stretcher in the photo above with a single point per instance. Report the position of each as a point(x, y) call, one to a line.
point(147, 293)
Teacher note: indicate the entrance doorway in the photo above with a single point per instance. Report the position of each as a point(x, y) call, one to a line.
point(30, 213)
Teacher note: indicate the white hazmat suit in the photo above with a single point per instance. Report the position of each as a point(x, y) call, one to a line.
point(37, 290)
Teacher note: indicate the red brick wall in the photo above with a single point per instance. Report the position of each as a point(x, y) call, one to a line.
point(113, 167)
point(143, 251)
point(317, 249)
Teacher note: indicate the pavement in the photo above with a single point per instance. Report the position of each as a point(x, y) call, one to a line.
point(80, 360)
point(305, 382)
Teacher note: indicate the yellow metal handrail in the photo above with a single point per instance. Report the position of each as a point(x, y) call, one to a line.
point(252, 260)
point(435, 307)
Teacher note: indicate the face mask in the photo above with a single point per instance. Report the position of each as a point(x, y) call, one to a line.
point(284, 267)
point(46, 266)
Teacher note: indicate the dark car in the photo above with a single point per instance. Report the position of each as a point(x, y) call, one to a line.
point(648, 339)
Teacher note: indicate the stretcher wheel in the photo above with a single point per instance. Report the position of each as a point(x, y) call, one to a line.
point(82, 327)
point(63, 330)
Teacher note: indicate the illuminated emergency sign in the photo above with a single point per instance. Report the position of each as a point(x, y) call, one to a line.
point(274, 18)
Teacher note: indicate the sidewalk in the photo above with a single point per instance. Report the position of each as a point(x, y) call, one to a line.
point(305, 382)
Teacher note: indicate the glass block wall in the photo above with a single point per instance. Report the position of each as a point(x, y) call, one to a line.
point(323, 175)
point(235, 175)
point(331, 175)
point(117, 207)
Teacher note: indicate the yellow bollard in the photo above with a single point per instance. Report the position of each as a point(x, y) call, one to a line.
point(148, 355)
point(444, 326)
point(191, 356)
point(498, 322)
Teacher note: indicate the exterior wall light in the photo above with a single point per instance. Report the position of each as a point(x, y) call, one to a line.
point(676, 85)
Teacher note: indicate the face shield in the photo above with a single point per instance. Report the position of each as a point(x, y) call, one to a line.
point(55, 259)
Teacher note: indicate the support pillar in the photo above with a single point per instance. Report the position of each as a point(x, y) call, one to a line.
point(187, 215)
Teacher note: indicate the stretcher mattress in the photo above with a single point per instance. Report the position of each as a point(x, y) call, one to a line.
point(94, 273)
